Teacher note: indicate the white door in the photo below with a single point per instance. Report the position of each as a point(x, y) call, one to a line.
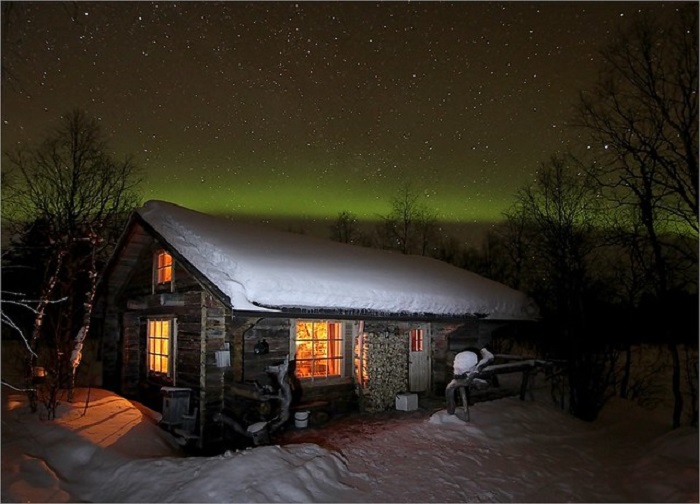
point(418, 360)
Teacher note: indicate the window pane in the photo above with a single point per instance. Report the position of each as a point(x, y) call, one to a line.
point(158, 346)
point(164, 267)
point(416, 340)
point(318, 349)
point(304, 330)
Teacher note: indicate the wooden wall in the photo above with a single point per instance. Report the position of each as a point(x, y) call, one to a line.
point(206, 326)
point(337, 394)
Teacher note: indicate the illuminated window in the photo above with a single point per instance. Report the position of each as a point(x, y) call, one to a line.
point(318, 349)
point(164, 267)
point(416, 340)
point(159, 346)
point(361, 361)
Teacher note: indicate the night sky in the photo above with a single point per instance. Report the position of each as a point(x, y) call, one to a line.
point(306, 109)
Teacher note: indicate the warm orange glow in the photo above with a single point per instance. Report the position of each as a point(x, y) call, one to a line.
point(159, 346)
point(361, 361)
point(416, 340)
point(164, 268)
point(110, 418)
point(318, 349)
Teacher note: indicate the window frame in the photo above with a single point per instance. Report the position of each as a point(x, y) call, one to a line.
point(158, 269)
point(416, 339)
point(172, 347)
point(360, 362)
point(339, 340)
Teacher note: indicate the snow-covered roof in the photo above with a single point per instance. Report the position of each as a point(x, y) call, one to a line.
point(262, 269)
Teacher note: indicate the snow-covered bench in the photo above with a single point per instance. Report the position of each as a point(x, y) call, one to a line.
point(479, 378)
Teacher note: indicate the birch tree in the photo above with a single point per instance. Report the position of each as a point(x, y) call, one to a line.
point(77, 195)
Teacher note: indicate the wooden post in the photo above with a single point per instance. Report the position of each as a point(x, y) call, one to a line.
point(523, 385)
point(465, 401)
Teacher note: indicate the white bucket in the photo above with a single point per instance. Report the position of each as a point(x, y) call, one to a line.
point(301, 419)
point(258, 433)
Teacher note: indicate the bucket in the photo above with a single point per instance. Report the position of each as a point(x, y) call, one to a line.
point(258, 433)
point(301, 419)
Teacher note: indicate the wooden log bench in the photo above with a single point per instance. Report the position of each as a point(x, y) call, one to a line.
point(528, 367)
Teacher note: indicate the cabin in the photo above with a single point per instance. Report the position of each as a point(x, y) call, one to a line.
point(196, 309)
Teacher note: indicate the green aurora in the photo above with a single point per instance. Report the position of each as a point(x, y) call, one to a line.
point(285, 199)
point(303, 110)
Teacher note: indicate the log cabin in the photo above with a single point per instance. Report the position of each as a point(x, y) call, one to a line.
point(195, 308)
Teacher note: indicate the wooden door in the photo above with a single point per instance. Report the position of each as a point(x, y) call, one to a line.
point(418, 360)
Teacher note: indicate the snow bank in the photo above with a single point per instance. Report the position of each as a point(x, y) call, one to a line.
point(511, 451)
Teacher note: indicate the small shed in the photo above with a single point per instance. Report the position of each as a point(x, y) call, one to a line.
point(195, 309)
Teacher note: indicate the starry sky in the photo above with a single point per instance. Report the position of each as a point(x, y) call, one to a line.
point(307, 109)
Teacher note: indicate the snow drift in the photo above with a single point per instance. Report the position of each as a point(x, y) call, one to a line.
point(512, 451)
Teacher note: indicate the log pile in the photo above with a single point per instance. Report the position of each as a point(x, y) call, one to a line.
point(387, 369)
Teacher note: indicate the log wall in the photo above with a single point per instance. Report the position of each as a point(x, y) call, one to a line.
point(206, 329)
point(338, 394)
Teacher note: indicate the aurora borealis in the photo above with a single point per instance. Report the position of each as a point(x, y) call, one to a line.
point(307, 109)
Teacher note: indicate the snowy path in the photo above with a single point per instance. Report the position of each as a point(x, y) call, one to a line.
point(512, 451)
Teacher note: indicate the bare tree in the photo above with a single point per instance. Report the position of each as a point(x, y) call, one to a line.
point(411, 226)
point(643, 117)
point(450, 250)
point(552, 224)
point(76, 196)
point(344, 229)
point(510, 240)
point(644, 113)
point(560, 209)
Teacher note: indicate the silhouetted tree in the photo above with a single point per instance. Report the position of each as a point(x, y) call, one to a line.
point(552, 226)
point(70, 201)
point(344, 229)
point(643, 121)
point(450, 250)
point(509, 243)
point(411, 226)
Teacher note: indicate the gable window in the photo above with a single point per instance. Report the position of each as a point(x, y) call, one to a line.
point(159, 346)
point(163, 268)
point(318, 347)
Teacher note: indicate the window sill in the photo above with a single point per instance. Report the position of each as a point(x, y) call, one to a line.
point(321, 382)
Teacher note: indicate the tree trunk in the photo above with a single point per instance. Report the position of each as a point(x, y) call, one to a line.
point(624, 384)
point(691, 373)
point(676, 386)
point(38, 326)
point(77, 353)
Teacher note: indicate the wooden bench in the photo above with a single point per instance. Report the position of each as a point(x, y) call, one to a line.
point(518, 364)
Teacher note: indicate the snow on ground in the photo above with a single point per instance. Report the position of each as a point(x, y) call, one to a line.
point(511, 451)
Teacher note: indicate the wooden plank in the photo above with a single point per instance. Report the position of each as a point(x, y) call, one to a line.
point(202, 372)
